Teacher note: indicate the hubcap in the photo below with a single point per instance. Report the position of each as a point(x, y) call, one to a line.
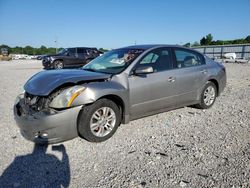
point(59, 65)
point(209, 95)
point(102, 121)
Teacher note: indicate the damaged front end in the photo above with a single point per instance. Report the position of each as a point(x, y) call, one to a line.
point(41, 123)
point(28, 104)
point(47, 111)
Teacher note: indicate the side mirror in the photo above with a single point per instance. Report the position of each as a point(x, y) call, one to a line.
point(144, 70)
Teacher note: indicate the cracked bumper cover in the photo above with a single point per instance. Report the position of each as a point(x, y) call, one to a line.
point(58, 126)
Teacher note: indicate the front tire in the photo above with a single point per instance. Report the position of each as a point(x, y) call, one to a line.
point(99, 121)
point(58, 64)
point(208, 96)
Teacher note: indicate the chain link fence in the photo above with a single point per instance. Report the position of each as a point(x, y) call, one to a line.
point(218, 51)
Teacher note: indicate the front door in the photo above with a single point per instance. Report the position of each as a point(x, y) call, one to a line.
point(81, 56)
point(70, 59)
point(153, 91)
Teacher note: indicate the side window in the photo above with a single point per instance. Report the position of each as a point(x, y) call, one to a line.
point(159, 59)
point(72, 51)
point(150, 58)
point(81, 50)
point(187, 58)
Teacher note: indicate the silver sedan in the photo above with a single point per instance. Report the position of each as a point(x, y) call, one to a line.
point(121, 85)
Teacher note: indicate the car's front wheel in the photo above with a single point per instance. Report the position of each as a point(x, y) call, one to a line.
point(208, 95)
point(58, 64)
point(99, 121)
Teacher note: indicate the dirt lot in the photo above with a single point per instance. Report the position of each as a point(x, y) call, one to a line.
point(187, 147)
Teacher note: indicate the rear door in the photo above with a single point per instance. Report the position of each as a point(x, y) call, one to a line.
point(190, 73)
point(154, 91)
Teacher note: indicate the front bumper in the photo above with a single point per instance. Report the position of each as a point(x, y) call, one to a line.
point(47, 64)
point(48, 128)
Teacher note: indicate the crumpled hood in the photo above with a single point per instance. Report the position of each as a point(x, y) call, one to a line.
point(44, 82)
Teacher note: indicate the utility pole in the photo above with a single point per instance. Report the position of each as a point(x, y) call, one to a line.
point(56, 43)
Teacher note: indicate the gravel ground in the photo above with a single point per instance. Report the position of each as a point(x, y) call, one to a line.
point(187, 147)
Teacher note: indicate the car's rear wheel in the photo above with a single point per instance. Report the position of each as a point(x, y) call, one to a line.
point(99, 121)
point(58, 64)
point(208, 96)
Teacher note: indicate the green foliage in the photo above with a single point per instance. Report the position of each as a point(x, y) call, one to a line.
point(203, 41)
point(196, 44)
point(208, 40)
point(35, 51)
point(103, 50)
point(247, 39)
point(187, 44)
point(30, 50)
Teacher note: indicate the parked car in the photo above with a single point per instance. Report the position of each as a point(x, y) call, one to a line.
point(4, 52)
point(119, 86)
point(70, 58)
point(229, 56)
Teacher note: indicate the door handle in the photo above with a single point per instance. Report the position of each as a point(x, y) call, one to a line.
point(204, 71)
point(171, 79)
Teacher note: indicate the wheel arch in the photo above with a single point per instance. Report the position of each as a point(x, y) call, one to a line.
point(216, 83)
point(118, 101)
point(59, 59)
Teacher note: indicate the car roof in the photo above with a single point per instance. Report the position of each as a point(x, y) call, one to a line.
point(82, 47)
point(149, 46)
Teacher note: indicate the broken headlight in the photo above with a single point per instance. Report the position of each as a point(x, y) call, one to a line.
point(20, 96)
point(66, 97)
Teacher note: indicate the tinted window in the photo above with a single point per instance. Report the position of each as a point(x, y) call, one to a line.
point(159, 59)
point(81, 50)
point(71, 51)
point(186, 58)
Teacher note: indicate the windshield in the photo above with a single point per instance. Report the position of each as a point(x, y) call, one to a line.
point(63, 51)
point(113, 62)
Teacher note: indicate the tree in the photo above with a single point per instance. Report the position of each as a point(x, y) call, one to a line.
point(247, 39)
point(43, 50)
point(196, 43)
point(28, 50)
point(187, 44)
point(103, 50)
point(203, 41)
point(209, 38)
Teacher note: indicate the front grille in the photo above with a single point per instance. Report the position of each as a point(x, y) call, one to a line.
point(35, 103)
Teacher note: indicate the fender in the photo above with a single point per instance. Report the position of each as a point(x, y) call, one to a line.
point(97, 90)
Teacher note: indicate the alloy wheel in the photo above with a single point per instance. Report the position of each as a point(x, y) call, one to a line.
point(209, 95)
point(102, 121)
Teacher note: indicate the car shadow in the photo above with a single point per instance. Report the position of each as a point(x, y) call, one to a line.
point(38, 169)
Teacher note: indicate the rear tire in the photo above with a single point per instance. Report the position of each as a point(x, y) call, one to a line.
point(58, 64)
point(208, 96)
point(94, 125)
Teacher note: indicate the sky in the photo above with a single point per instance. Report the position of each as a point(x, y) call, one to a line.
point(117, 23)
